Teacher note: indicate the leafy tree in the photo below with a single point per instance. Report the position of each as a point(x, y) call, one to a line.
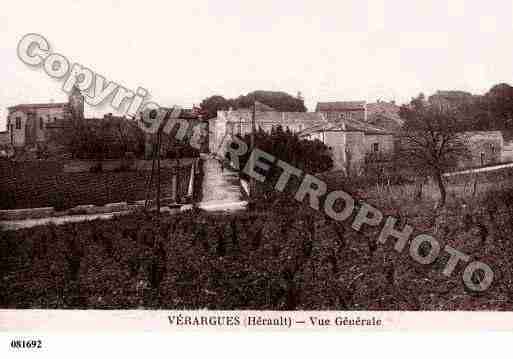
point(82, 140)
point(100, 138)
point(213, 104)
point(491, 111)
point(500, 105)
point(309, 156)
point(280, 101)
point(431, 143)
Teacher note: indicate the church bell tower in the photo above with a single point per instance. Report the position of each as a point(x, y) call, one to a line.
point(76, 104)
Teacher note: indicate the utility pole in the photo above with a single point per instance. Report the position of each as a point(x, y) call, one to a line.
point(149, 183)
point(252, 186)
point(156, 146)
point(159, 142)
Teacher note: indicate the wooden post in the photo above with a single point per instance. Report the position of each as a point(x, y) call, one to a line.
point(149, 183)
point(253, 127)
point(175, 187)
point(159, 142)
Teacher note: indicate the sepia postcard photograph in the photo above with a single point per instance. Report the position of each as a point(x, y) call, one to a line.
point(245, 166)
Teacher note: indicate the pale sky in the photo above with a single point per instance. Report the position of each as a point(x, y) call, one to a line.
point(184, 51)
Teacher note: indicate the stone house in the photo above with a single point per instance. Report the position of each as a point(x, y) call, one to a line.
point(238, 122)
point(27, 123)
point(353, 142)
point(339, 110)
point(385, 115)
point(382, 114)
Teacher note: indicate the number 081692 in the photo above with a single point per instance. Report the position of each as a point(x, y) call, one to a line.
point(26, 344)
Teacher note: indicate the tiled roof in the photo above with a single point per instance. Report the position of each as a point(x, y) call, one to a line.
point(30, 106)
point(275, 117)
point(340, 106)
point(384, 114)
point(452, 93)
point(355, 125)
point(348, 125)
point(389, 109)
point(316, 128)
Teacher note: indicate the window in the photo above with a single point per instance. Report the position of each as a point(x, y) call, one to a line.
point(492, 148)
point(18, 123)
point(345, 116)
point(375, 147)
point(41, 123)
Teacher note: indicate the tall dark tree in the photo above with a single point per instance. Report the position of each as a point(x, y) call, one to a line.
point(278, 100)
point(431, 143)
point(100, 138)
point(500, 105)
point(215, 103)
point(309, 156)
point(491, 111)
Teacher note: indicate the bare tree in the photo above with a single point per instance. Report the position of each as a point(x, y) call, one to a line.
point(431, 143)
